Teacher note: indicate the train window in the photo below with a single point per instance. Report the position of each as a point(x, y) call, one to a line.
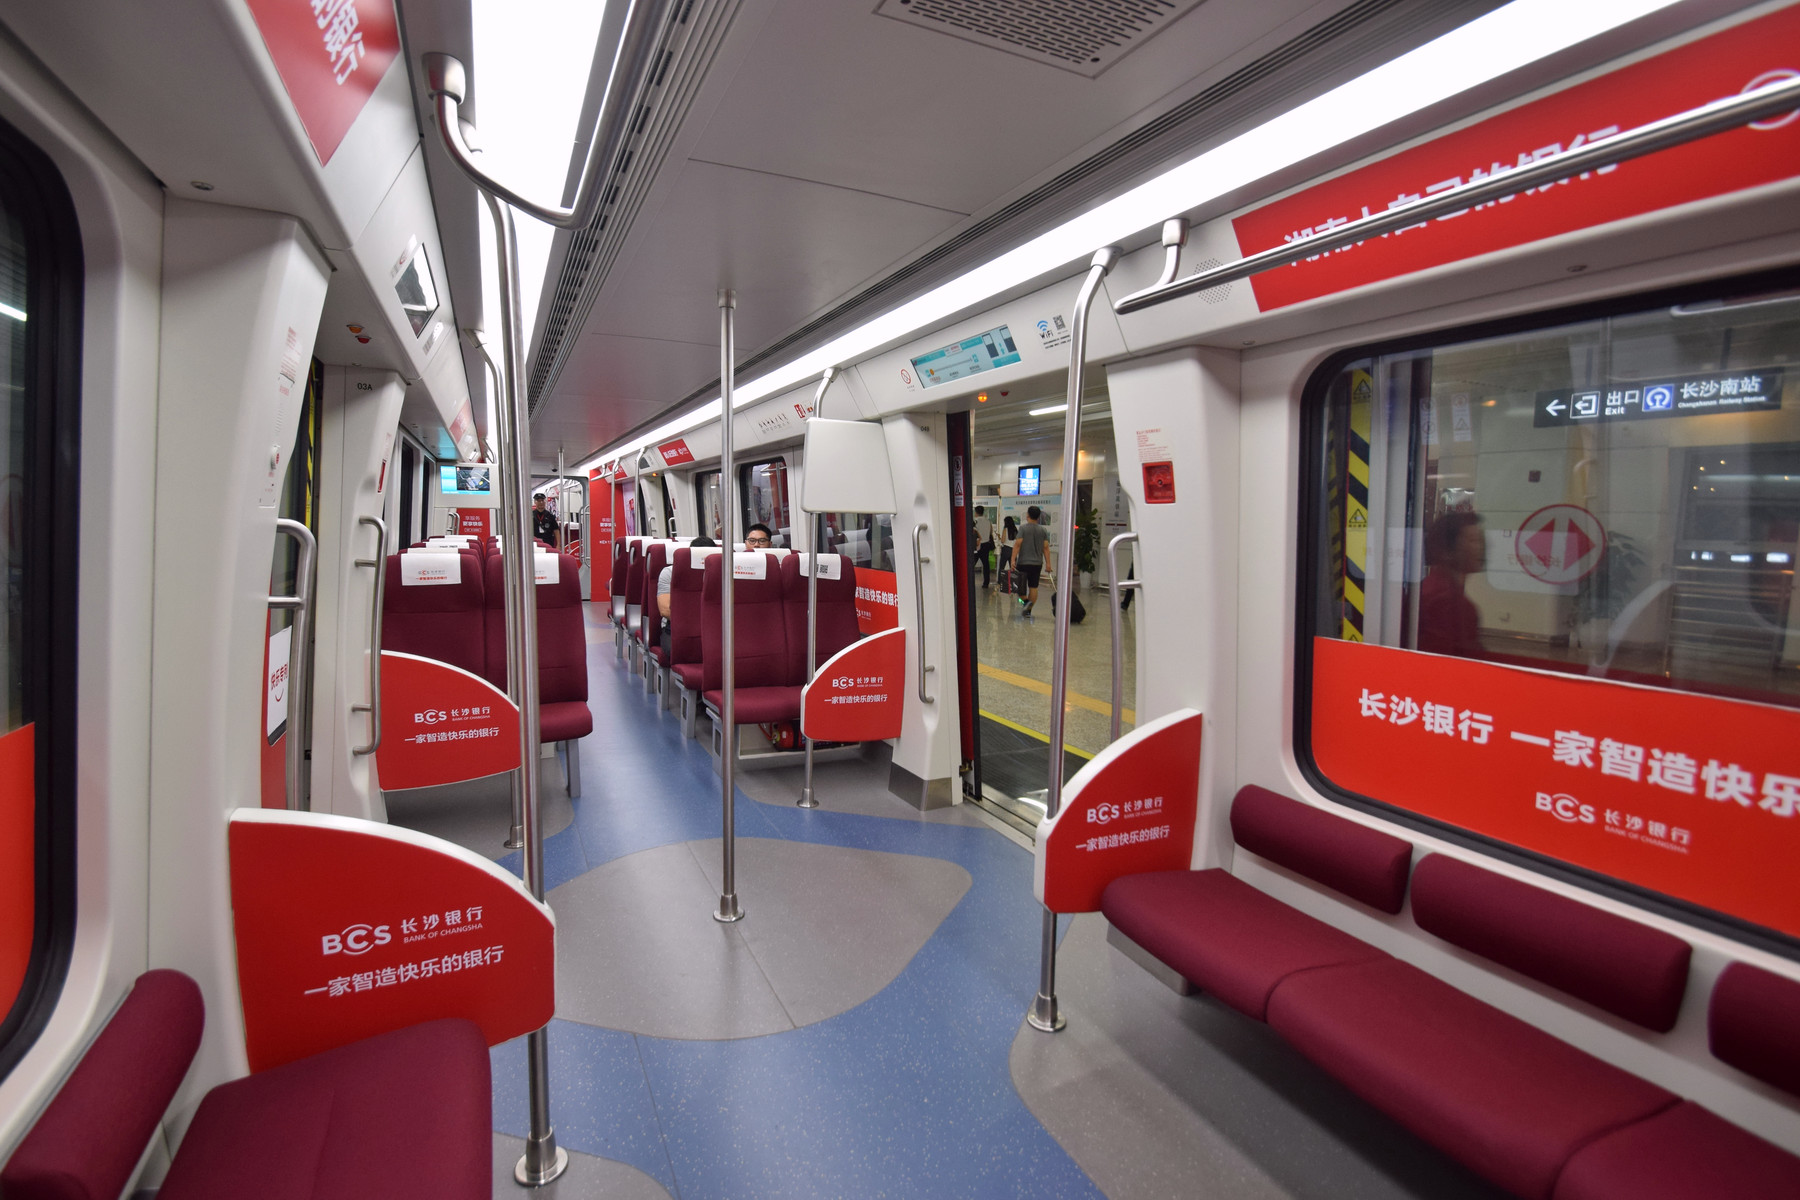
point(1551, 591)
point(866, 539)
point(765, 487)
point(712, 519)
point(40, 306)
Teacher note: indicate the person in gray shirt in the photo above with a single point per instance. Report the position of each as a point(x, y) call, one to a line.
point(1031, 555)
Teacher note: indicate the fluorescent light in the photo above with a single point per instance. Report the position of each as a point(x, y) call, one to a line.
point(1486, 48)
point(7, 310)
point(1054, 408)
point(529, 67)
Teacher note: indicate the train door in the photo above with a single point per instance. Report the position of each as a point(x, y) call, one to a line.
point(299, 503)
point(1024, 510)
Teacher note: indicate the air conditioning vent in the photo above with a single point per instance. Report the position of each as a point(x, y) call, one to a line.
point(1083, 36)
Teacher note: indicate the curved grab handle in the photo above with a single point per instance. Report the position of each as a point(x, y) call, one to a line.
point(1114, 587)
point(373, 707)
point(919, 561)
point(299, 647)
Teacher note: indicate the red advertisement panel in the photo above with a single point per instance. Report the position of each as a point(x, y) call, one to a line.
point(331, 54)
point(476, 522)
point(440, 724)
point(1712, 68)
point(1692, 796)
point(877, 601)
point(347, 928)
point(1131, 809)
point(18, 858)
point(859, 694)
point(675, 453)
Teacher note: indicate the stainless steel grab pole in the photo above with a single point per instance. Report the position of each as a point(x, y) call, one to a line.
point(919, 563)
point(1115, 587)
point(299, 656)
point(807, 799)
point(728, 909)
point(543, 1160)
point(379, 562)
point(1720, 116)
point(1044, 1014)
point(515, 838)
point(448, 83)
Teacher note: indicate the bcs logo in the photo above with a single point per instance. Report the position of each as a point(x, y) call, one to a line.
point(357, 939)
point(1565, 808)
point(430, 716)
point(1100, 814)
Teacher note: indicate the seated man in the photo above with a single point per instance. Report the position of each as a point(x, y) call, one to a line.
point(666, 602)
point(759, 537)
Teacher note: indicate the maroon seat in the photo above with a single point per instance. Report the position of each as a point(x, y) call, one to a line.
point(445, 621)
point(1753, 1023)
point(1622, 966)
point(404, 1114)
point(765, 691)
point(1224, 936)
point(656, 557)
point(615, 584)
point(1362, 863)
point(1681, 1152)
point(836, 619)
point(687, 585)
point(563, 712)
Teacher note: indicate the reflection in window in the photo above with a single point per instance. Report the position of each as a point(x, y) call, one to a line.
point(766, 497)
point(706, 486)
point(1617, 497)
point(866, 539)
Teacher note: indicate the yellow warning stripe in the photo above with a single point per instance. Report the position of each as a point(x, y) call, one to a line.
point(1074, 699)
point(1356, 503)
point(1044, 738)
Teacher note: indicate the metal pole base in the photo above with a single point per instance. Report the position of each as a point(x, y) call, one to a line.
point(552, 1161)
point(728, 909)
point(1044, 1015)
point(516, 838)
point(807, 799)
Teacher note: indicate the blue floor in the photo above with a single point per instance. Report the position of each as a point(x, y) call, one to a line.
point(908, 1094)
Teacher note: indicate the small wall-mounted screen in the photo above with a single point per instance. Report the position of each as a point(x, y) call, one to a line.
point(971, 356)
point(417, 292)
point(465, 479)
point(1029, 480)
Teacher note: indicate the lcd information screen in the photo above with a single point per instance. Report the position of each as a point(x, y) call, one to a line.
point(1029, 479)
point(971, 356)
point(464, 480)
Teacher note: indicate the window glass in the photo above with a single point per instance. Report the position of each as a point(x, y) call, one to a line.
point(706, 487)
point(1552, 595)
point(1618, 498)
point(866, 539)
point(15, 486)
point(766, 499)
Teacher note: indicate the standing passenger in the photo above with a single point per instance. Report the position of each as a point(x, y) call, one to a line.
point(1032, 553)
point(984, 544)
point(1009, 537)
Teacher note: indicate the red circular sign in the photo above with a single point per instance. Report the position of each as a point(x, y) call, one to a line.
point(1560, 544)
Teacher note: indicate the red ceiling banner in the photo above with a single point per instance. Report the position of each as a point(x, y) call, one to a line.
point(859, 694)
point(331, 54)
point(675, 453)
point(1693, 796)
point(1131, 809)
point(347, 928)
point(1712, 68)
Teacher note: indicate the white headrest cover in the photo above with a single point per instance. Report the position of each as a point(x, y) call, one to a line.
point(430, 568)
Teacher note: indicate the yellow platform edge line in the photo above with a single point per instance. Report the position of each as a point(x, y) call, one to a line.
point(1043, 689)
point(1044, 738)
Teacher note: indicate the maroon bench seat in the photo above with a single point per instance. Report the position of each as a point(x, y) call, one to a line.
point(402, 1115)
point(764, 691)
point(1523, 1109)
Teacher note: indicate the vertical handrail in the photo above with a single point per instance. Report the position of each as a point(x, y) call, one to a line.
point(1044, 1015)
point(1114, 586)
point(515, 837)
point(300, 604)
point(919, 562)
point(728, 909)
point(807, 798)
point(379, 562)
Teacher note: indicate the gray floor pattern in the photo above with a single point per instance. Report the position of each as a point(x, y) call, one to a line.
point(856, 785)
point(638, 949)
point(587, 1178)
point(478, 814)
point(1150, 1092)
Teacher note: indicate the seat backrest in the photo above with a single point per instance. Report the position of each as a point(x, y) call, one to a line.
point(687, 586)
point(561, 635)
point(443, 621)
point(656, 557)
point(837, 610)
point(759, 621)
point(1362, 863)
point(634, 574)
point(91, 1137)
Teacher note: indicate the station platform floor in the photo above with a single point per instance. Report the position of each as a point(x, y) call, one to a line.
point(860, 1032)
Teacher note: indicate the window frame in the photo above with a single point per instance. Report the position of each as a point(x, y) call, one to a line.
point(1310, 512)
point(54, 290)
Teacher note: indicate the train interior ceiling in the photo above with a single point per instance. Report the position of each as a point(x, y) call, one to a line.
point(936, 597)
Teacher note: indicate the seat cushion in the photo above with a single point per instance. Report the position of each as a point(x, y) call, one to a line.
point(564, 721)
point(404, 1115)
point(1682, 1153)
point(761, 705)
point(1223, 935)
point(1362, 863)
point(1753, 1023)
point(1620, 965)
point(1504, 1098)
point(689, 674)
